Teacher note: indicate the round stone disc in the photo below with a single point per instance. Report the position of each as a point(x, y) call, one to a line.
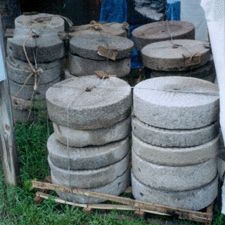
point(168, 55)
point(49, 20)
point(86, 46)
point(221, 164)
point(205, 72)
point(49, 46)
point(96, 137)
point(17, 71)
point(117, 29)
point(174, 138)
point(195, 199)
point(81, 67)
point(90, 178)
point(161, 31)
point(89, 102)
point(86, 158)
point(176, 102)
point(116, 187)
point(178, 156)
point(27, 90)
point(175, 178)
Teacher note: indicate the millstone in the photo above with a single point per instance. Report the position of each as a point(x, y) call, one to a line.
point(161, 31)
point(87, 46)
point(195, 199)
point(174, 177)
point(52, 21)
point(81, 138)
point(81, 67)
point(176, 102)
point(49, 46)
point(168, 56)
point(17, 71)
point(205, 72)
point(89, 102)
point(117, 29)
point(86, 158)
point(90, 178)
point(174, 138)
point(116, 187)
point(175, 156)
point(221, 164)
point(27, 90)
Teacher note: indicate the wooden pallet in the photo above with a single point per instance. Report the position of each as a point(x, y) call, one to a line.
point(139, 207)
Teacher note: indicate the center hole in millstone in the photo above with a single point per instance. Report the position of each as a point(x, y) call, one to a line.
point(35, 36)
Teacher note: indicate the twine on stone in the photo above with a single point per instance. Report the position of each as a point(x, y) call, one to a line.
point(93, 24)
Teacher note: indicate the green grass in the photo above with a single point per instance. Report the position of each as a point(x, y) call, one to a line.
point(16, 203)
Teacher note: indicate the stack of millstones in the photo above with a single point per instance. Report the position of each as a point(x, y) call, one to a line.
point(175, 142)
point(90, 147)
point(96, 52)
point(34, 65)
point(188, 58)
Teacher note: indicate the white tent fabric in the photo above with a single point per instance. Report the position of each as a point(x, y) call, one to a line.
point(214, 13)
point(191, 11)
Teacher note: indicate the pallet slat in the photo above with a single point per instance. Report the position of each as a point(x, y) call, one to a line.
point(134, 204)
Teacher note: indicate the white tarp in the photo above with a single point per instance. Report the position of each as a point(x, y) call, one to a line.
point(191, 11)
point(2, 69)
point(214, 13)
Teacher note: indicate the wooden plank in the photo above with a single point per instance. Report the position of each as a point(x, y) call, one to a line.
point(8, 143)
point(180, 213)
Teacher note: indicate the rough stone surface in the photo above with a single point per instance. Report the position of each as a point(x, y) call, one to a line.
point(221, 164)
point(117, 29)
point(205, 72)
point(45, 19)
point(176, 102)
point(71, 103)
point(161, 31)
point(116, 187)
point(81, 67)
point(27, 90)
point(86, 46)
point(174, 138)
point(90, 178)
point(81, 138)
point(49, 46)
point(174, 177)
point(163, 56)
point(20, 115)
point(17, 72)
point(192, 200)
point(86, 158)
point(175, 156)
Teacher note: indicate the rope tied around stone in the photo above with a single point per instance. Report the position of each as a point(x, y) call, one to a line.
point(93, 24)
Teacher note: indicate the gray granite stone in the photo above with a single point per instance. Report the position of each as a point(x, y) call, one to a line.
point(90, 178)
point(89, 102)
point(221, 164)
point(175, 156)
point(81, 67)
point(195, 199)
point(176, 178)
point(161, 31)
point(49, 20)
point(163, 56)
point(86, 158)
point(87, 45)
point(176, 102)
point(174, 138)
point(116, 187)
point(17, 71)
point(49, 46)
point(81, 138)
point(27, 90)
